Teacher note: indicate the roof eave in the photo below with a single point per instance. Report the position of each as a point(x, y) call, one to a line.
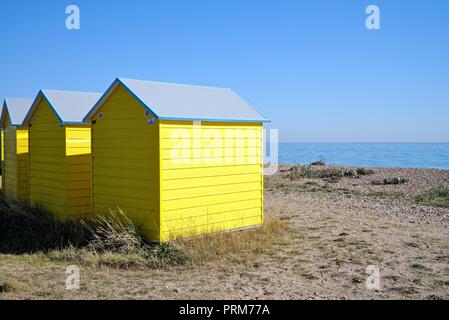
point(214, 119)
point(41, 95)
point(108, 93)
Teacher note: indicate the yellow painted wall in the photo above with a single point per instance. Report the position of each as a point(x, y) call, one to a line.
point(3, 159)
point(78, 170)
point(22, 162)
point(174, 178)
point(211, 177)
point(125, 162)
point(15, 168)
point(47, 161)
point(60, 177)
point(10, 175)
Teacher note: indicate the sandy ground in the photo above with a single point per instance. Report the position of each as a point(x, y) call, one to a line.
point(336, 231)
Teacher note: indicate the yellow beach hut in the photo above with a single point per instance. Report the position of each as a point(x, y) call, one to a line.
point(180, 160)
point(15, 149)
point(60, 152)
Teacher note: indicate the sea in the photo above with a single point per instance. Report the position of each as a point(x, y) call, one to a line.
point(393, 155)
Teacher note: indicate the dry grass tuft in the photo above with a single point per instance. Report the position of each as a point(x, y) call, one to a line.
point(115, 250)
point(116, 242)
point(237, 246)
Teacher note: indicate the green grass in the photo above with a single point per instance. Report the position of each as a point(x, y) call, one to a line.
point(438, 197)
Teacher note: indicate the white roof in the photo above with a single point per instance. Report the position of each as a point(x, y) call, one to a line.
point(69, 106)
point(17, 110)
point(169, 101)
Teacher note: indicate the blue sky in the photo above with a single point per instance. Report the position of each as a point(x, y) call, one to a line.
point(310, 66)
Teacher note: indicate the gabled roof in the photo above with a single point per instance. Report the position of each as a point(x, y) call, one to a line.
point(17, 110)
point(169, 101)
point(69, 106)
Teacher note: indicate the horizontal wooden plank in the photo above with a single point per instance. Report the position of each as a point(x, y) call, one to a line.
point(83, 133)
point(117, 201)
point(46, 204)
point(209, 191)
point(47, 188)
point(75, 169)
point(43, 178)
point(211, 171)
point(125, 172)
point(78, 143)
point(209, 151)
point(209, 143)
point(111, 163)
point(210, 134)
point(145, 133)
point(138, 215)
point(239, 216)
point(210, 200)
point(76, 201)
point(138, 143)
point(80, 176)
point(46, 166)
point(138, 154)
point(80, 184)
point(148, 193)
point(120, 182)
point(46, 127)
point(74, 151)
point(85, 159)
point(211, 155)
point(210, 228)
point(201, 162)
point(55, 143)
point(47, 151)
point(212, 209)
point(210, 181)
point(38, 196)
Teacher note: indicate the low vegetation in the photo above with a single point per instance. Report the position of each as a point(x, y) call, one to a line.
point(320, 162)
point(388, 194)
point(328, 174)
point(114, 241)
point(364, 171)
point(389, 181)
point(27, 230)
point(438, 196)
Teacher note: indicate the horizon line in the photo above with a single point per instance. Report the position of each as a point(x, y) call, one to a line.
point(354, 142)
